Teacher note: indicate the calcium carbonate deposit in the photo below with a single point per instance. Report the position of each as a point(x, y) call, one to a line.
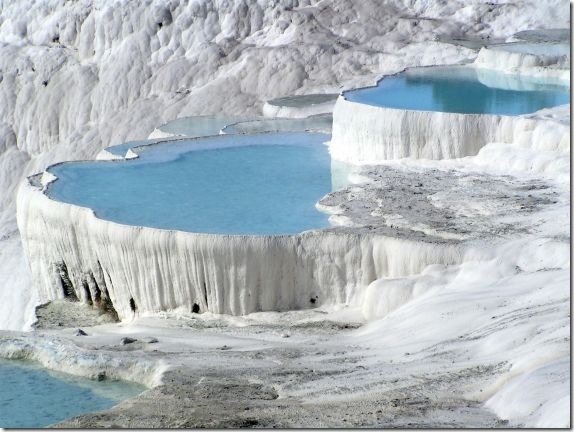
point(402, 261)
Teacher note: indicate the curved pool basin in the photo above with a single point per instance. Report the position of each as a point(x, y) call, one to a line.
point(264, 184)
point(463, 89)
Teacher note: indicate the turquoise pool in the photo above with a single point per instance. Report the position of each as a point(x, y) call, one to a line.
point(463, 89)
point(32, 397)
point(261, 184)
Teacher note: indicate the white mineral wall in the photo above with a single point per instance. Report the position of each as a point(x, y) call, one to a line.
point(366, 134)
point(165, 270)
point(543, 65)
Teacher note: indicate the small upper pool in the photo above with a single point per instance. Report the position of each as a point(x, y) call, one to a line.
point(190, 127)
point(463, 89)
point(263, 184)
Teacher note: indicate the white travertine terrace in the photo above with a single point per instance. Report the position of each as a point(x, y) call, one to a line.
point(543, 60)
point(165, 270)
point(368, 134)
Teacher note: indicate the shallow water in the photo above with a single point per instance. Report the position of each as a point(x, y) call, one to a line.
point(549, 49)
point(463, 90)
point(32, 397)
point(264, 184)
point(317, 123)
point(191, 127)
point(300, 101)
point(200, 125)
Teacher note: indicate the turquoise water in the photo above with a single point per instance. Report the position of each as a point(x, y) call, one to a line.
point(263, 184)
point(463, 90)
point(32, 397)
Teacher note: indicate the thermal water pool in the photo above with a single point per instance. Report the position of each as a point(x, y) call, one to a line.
point(463, 89)
point(262, 184)
point(32, 397)
point(191, 127)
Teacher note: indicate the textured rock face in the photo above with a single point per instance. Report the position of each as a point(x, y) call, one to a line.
point(549, 64)
point(73, 253)
point(364, 133)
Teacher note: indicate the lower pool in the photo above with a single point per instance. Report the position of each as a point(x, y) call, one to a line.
point(264, 184)
point(32, 397)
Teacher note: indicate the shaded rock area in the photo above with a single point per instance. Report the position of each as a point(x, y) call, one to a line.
point(544, 35)
point(61, 314)
point(299, 101)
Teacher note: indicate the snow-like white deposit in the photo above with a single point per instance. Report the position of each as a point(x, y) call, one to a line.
point(546, 60)
point(369, 134)
point(489, 323)
point(165, 270)
point(365, 133)
point(114, 72)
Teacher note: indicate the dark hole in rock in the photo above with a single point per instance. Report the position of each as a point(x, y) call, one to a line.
point(44, 83)
point(195, 308)
point(65, 282)
point(313, 300)
point(160, 25)
point(56, 39)
point(128, 340)
point(81, 332)
point(133, 306)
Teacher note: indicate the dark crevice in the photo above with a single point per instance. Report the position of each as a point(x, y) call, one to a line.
point(205, 295)
point(65, 282)
point(97, 296)
point(87, 292)
point(101, 295)
point(195, 308)
point(133, 306)
point(107, 305)
point(97, 292)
